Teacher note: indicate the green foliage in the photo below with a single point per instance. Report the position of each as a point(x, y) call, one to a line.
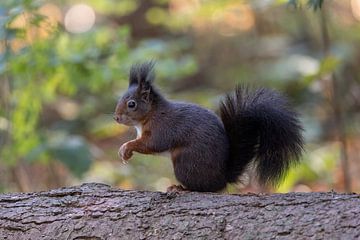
point(25, 97)
point(314, 4)
point(74, 152)
point(115, 7)
point(11, 10)
point(327, 66)
point(84, 67)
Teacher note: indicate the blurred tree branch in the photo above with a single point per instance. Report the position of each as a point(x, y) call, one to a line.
point(336, 97)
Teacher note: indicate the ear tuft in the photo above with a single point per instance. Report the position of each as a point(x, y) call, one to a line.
point(142, 74)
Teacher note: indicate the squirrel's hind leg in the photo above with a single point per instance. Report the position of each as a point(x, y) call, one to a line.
point(200, 175)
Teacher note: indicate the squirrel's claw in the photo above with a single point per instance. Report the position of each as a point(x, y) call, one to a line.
point(125, 153)
point(176, 189)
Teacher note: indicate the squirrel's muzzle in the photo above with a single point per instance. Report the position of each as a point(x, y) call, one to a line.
point(123, 119)
point(117, 118)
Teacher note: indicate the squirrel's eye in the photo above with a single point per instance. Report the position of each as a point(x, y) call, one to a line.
point(131, 104)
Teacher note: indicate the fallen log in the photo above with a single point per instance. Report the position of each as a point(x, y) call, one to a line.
point(97, 211)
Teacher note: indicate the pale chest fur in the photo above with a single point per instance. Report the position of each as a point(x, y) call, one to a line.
point(138, 131)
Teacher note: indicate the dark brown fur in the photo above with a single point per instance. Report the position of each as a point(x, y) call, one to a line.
point(199, 144)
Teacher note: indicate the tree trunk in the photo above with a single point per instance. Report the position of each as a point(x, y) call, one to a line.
point(96, 211)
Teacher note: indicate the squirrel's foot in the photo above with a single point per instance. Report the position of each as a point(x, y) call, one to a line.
point(125, 153)
point(176, 188)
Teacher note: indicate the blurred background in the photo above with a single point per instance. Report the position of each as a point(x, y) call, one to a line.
point(63, 64)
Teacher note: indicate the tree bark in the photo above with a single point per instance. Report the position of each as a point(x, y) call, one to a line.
point(97, 211)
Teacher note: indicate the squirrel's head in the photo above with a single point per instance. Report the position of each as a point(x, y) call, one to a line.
point(135, 105)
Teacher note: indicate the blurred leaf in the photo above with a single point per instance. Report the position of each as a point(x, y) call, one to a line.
point(37, 153)
point(16, 11)
point(74, 152)
point(293, 3)
point(115, 7)
point(156, 15)
point(327, 66)
point(37, 19)
point(315, 4)
point(18, 33)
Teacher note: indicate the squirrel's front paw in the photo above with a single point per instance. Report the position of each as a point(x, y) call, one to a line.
point(124, 152)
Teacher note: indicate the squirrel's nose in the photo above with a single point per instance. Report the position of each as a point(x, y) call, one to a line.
point(116, 118)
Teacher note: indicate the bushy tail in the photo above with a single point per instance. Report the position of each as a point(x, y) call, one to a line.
point(262, 130)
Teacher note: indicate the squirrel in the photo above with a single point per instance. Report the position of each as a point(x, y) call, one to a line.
point(255, 128)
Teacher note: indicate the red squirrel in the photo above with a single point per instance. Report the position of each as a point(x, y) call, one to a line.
point(255, 128)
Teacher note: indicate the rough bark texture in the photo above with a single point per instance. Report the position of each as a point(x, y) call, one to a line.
point(96, 211)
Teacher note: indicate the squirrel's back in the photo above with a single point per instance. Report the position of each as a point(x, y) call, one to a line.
point(193, 125)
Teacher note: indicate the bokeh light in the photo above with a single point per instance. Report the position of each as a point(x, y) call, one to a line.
point(355, 8)
point(79, 18)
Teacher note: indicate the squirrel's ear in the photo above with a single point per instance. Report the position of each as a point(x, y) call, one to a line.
point(145, 89)
point(142, 73)
point(134, 75)
point(142, 76)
